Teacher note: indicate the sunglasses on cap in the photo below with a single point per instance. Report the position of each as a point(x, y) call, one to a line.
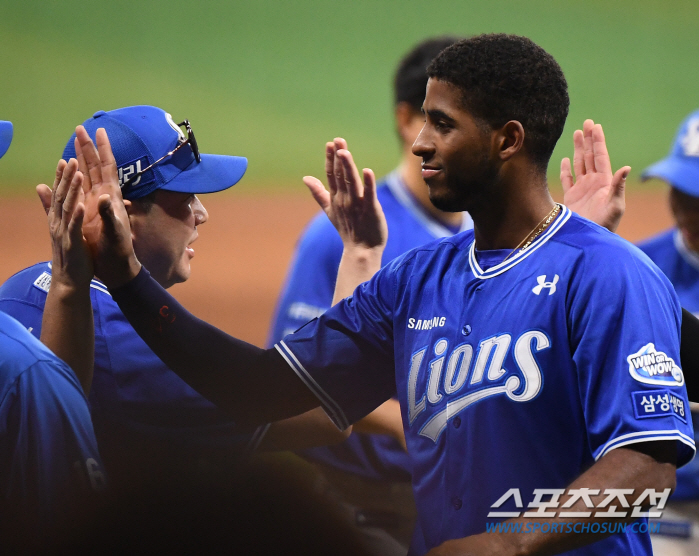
point(191, 141)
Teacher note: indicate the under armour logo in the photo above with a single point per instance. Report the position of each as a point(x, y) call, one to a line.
point(544, 284)
point(690, 142)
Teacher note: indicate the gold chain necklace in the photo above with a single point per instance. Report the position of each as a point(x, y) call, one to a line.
point(536, 232)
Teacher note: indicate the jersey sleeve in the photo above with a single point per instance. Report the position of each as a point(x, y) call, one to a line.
point(624, 322)
point(55, 466)
point(310, 283)
point(346, 356)
point(28, 313)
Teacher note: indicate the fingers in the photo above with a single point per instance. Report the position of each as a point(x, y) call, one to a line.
point(329, 167)
point(109, 166)
point(109, 219)
point(566, 175)
point(589, 155)
point(75, 226)
point(578, 154)
point(353, 182)
point(599, 150)
point(82, 166)
point(45, 193)
point(338, 168)
point(91, 155)
point(619, 181)
point(320, 194)
point(60, 192)
point(59, 173)
point(74, 191)
point(369, 184)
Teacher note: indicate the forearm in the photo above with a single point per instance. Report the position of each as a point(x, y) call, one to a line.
point(358, 264)
point(313, 428)
point(253, 385)
point(622, 468)
point(67, 329)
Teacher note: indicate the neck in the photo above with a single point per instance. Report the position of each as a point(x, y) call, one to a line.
point(410, 170)
point(511, 210)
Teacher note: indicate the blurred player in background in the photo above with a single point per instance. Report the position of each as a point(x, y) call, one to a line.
point(372, 471)
point(149, 423)
point(676, 252)
point(50, 466)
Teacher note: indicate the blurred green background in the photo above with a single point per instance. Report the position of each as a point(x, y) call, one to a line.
point(274, 80)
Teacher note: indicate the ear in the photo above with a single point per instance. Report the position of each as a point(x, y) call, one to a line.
point(509, 140)
point(130, 208)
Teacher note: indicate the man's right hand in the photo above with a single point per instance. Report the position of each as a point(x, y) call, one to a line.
point(106, 226)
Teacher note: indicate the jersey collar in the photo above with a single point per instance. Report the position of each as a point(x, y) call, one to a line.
point(94, 283)
point(504, 266)
point(432, 225)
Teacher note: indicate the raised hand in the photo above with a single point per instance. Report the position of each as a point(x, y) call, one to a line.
point(351, 205)
point(354, 210)
point(64, 205)
point(106, 227)
point(596, 193)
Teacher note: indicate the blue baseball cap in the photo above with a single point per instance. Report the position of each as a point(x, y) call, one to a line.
point(5, 137)
point(140, 136)
point(681, 167)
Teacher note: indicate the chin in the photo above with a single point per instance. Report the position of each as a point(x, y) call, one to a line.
point(446, 202)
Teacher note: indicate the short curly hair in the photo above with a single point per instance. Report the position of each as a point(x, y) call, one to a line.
point(410, 80)
point(507, 77)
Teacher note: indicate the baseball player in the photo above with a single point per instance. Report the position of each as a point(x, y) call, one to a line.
point(148, 421)
point(537, 352)
point(50, 466)
point(676, 252)
point(372, 471)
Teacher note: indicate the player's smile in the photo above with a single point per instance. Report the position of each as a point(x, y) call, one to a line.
point(429, 172)
point(454, 147)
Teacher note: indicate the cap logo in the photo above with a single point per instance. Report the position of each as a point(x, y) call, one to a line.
point(690, 142)
point(174, 126)
point(127, 170)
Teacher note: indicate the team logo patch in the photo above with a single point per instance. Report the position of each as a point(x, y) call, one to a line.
point(130, 169)
point(43, 282)
point(650, 366)
point(658, 403)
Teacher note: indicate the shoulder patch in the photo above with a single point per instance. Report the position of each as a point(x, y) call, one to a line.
point(43, 282)
point(658, 403)
point(650, 366)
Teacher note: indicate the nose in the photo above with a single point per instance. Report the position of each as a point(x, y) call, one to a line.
point(200, 214)
point(423, 146)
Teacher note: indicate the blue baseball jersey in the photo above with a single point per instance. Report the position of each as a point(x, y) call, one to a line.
point(681, 265)
point(308, 293)
point(512, 372)
point(49, 462)
point(144, 414)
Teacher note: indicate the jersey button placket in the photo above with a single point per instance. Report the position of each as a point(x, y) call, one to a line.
point(457, 503)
